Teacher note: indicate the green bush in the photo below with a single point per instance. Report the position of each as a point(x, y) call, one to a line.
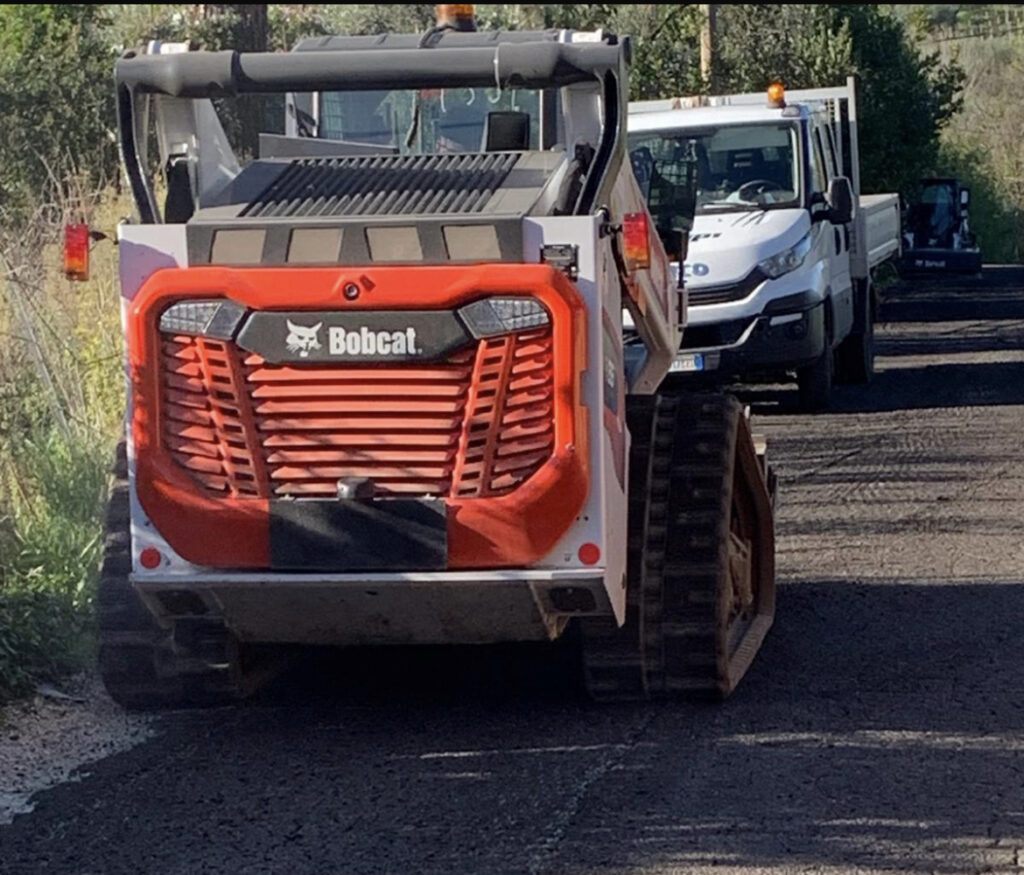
point(52, 497)
point(42, 636)
point(995, 219)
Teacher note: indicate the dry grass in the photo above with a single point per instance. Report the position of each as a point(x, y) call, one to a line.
point(61, 407)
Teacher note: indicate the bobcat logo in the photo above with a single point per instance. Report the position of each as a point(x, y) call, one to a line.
point(301, 339)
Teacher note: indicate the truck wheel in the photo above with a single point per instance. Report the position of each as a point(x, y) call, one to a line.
point(814, 382)
point(140, 664)
point(701, 561)
point(856, 356)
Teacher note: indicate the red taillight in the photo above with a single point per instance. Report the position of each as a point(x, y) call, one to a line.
point(150, 557)
point(636, 241)
point(76, 252)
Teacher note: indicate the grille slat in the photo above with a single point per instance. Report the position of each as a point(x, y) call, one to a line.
point(300, 404)
point(333, 473)
point(324, 489)
point(316, 425)
point(271, 374)
point(357, 439)
point(359, 390)
point(365, 454)
point(384, 185)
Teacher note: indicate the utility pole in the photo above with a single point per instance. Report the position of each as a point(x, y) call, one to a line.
point(708, 12)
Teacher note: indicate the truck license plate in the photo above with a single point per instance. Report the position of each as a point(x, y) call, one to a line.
point(690, 362)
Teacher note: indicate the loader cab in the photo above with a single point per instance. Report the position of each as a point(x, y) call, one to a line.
point(936, 216)
point(420, 122)
point(937, 237)
point(424, 121)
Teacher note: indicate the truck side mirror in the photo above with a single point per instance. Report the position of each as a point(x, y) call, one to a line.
point(840, 199)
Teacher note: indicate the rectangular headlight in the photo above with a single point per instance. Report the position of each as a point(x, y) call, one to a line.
point(492, 316)
point(207, 318)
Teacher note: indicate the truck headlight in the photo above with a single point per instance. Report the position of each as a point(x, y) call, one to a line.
point(788, 260)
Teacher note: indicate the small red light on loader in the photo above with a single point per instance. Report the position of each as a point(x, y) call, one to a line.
point(636, 241)
point(590, 554)
point(76, 252)
point(150, 557)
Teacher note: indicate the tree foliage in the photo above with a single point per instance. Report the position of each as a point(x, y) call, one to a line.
point(54, 60)
point(56, 100)
point(904, 97)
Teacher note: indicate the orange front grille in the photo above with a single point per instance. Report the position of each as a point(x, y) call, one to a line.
point(478, 424)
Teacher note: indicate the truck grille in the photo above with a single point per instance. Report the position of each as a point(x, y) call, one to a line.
point(475, 425)
point(732, 292)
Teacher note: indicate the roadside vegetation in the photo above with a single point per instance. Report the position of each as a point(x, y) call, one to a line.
point(926, 108)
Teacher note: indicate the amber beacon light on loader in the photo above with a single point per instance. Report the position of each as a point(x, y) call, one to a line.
point(378, 386)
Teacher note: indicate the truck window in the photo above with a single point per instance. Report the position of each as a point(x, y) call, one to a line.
point(738, 166)
point(828, 159)
point(833, 151)
point(818, 171)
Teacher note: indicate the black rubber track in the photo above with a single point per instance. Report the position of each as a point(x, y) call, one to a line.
point(694, 478)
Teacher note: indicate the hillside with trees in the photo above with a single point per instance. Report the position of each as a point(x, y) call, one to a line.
point(938, 91)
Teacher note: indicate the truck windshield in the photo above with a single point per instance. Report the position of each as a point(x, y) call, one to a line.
point(428, 121)
point(738, 166)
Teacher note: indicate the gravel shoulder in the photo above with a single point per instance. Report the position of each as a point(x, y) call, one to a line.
point(51, 737)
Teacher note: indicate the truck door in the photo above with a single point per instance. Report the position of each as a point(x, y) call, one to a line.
point(826, 167)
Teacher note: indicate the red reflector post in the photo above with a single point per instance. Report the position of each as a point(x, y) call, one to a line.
point(76, 252)
point(636, 241)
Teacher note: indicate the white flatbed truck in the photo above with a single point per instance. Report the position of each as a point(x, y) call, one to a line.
point(780, 257)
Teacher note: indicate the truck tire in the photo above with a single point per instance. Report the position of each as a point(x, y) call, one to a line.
point(856, 357)
point(141, 665)
point(701, 562)
point(814, 382)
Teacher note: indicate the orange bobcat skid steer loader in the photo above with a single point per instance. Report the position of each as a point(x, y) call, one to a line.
point(379, 391)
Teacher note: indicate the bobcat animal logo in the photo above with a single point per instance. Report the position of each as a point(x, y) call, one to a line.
point(303, 339)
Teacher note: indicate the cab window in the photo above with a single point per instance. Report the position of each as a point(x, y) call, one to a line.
point(818, 172)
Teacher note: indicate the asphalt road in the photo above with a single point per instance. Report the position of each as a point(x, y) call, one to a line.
point(881, 728)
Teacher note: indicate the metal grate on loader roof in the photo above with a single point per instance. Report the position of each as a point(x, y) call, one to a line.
point(384, 185)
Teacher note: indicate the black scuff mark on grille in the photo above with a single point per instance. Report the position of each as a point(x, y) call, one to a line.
point(384, 185)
